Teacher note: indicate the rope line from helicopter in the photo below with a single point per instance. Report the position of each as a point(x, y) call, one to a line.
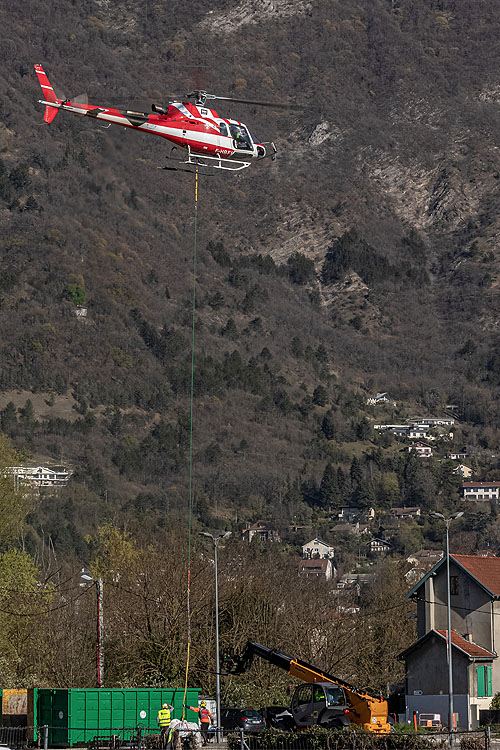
point(188, 601)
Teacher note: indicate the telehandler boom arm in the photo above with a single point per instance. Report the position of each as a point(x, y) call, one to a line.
point(364, 709)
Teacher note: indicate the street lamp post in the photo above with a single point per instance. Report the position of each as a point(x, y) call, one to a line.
point(216, 540)
point(85, 576)
point(449, 649)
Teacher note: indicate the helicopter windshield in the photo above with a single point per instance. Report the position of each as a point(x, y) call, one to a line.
point(240, 136)
point(223, 128)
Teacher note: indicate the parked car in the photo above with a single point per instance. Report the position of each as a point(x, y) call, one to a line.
point(246, 718)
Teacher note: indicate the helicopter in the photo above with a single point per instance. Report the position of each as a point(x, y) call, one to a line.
point(202, 137)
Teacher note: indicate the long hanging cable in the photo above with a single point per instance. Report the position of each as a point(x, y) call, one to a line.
point(191, 448)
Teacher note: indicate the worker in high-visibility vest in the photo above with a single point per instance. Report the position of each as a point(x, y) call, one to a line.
point(164, 720)
point(205, 719)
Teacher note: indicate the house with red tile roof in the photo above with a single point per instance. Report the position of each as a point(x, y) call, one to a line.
point(261, 530)
point(475, 639)
point(317, 569)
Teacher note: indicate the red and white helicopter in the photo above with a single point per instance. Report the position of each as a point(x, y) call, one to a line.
point(209, 140)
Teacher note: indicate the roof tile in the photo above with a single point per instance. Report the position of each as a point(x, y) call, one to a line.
point(485, 569)
point(470, 648)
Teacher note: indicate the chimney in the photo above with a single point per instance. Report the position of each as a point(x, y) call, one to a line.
point(468, 637)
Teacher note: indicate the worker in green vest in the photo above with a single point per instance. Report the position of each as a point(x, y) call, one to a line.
point(164, 720)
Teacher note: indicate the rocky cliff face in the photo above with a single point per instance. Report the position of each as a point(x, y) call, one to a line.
point(396, 140)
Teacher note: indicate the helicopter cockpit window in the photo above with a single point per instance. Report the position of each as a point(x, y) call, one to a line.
point(240, 136)
point(223, 128)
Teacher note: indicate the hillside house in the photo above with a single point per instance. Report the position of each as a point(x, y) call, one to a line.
point(378, 398)
point(316, 549)
point(355, 528)
point(481, 491)
point(433, 421)
point(421, 449)
point(475, 622)
point(361, 579)
point(456, 456)
point(418, 431)
point(421, 562)
point(39, 476)
point(488, 552)
point(350, 512)
point(317, 569)
point(262, 531)
point(400, 430)
point(463, 471)
point(425, 558)
point(413, 512)
point(378, 546)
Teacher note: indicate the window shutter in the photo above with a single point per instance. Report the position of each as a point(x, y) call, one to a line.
point(480, 682)
point(489, 686)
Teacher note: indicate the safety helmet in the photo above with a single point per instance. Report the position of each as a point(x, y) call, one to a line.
point(165, 705)
point(203, 704)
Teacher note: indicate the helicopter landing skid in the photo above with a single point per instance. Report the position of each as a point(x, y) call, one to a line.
point(209, 162)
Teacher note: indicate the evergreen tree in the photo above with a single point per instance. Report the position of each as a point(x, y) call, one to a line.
point(27, 415)
point(363, 430)
point(322, 354)
point(297, 347)
point(341, 480)
point(329, 494)
point(320, 396)
point(8, 418)
point(328, 426)
point(356, 472)
point(364, 494)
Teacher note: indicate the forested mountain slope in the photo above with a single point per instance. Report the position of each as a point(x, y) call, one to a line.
point(364, 258)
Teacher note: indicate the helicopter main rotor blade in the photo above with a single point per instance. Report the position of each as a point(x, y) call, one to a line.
point(203, 95)
point(276, 105)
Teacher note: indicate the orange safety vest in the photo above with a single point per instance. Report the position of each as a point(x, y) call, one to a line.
point(205, 715)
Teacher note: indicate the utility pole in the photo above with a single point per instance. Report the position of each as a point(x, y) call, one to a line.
point(216, 540)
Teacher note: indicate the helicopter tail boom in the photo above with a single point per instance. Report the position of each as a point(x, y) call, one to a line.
point(49, 95)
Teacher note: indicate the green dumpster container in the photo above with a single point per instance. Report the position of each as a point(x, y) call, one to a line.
point(76, 715)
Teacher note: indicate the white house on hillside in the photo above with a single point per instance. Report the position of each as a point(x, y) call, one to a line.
point(317, 549)
point(433, 421)
point(378, 398)
point(481, 491)
point(39, 476)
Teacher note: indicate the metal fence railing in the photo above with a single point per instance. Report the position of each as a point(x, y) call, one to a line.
point(180, 737)
point(16, 738)
point(184, 738)
point(356, 740)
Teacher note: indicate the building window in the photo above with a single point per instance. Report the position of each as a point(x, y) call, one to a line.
point(454, 585)
point(484, 685)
